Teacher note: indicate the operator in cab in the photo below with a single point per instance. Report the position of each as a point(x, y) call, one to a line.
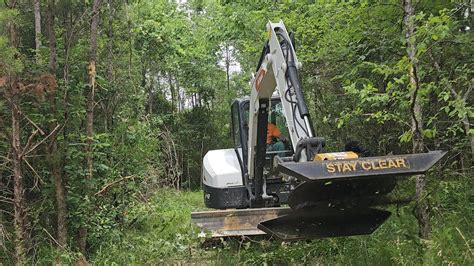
point(275, 139)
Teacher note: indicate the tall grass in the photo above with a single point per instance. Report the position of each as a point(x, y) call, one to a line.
point(160, 231)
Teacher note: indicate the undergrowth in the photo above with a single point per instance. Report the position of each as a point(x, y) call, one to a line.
point(160, 232)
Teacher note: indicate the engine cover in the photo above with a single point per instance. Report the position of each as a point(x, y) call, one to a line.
point(222, 180)
point(221, 169)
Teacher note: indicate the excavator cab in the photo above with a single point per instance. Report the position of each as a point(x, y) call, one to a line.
point(276, 187)
point(240, 128)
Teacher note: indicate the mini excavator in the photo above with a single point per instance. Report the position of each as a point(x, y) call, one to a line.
point(300, 192)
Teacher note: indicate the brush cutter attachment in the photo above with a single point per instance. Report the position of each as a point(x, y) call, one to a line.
point(336, 196)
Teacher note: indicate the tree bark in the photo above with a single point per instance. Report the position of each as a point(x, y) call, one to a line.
point(54, 152)
point(181, 98)
point(110, 68)
point(130, 41)
point(110, 42)
point(227, 65)
point(91, 95)
point(422, 207)
point(37, 6)
point(20, 219)
point(172, 91)
point(52, 38)
point(91, 72)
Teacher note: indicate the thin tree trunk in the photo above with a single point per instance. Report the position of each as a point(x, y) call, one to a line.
point(130, 42)
point(172, 91)
point(52, 38)
point(110, 42)
point(19, 192)
point(91, 95)
point(151, 97)
point(422, 208)
point(110, 66)
point(37, 6)
point(91, 71)
point(20, 220)
point(227, 65)
point(181, 98)
point(467, 128)
point(54, 158)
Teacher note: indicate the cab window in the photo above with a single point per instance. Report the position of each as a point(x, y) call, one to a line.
point(235, 125)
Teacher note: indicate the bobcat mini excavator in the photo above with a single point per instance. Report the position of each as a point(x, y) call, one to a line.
point(301, 192)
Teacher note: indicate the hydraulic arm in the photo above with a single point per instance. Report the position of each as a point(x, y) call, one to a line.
point(277, 71)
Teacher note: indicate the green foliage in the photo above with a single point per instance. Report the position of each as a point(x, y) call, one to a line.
point(160, 231)
point(156, 231)
point(162, 101)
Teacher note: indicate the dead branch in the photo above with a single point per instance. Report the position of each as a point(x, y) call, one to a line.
point(39, 143)
point(30, 139)
point(38, 177)
point(55, 241)
point(31, 122)
point(109, 185)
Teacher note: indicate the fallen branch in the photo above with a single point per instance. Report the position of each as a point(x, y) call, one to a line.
point(109, 185)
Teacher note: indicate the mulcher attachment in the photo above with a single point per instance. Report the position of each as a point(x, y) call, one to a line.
point(336, 196)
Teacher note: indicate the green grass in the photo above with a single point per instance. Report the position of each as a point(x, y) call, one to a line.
point(161, 231)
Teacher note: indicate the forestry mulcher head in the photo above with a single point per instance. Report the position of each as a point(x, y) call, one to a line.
point(332, 197)
point(336, 197)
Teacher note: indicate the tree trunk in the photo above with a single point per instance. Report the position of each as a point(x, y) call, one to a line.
point(422, 208)
point(20, 219)
point(151, 97)
point(91, 95)
point(172, 91)
point(52, 38)
point(53, 156)
point(91, 71)
point(110, 42)
point(37, 12)
point(181, 98)
point(227, 65)
point(130, 42)
point(110, 68)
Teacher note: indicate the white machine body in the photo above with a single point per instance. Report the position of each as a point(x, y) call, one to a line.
point(221, 169)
